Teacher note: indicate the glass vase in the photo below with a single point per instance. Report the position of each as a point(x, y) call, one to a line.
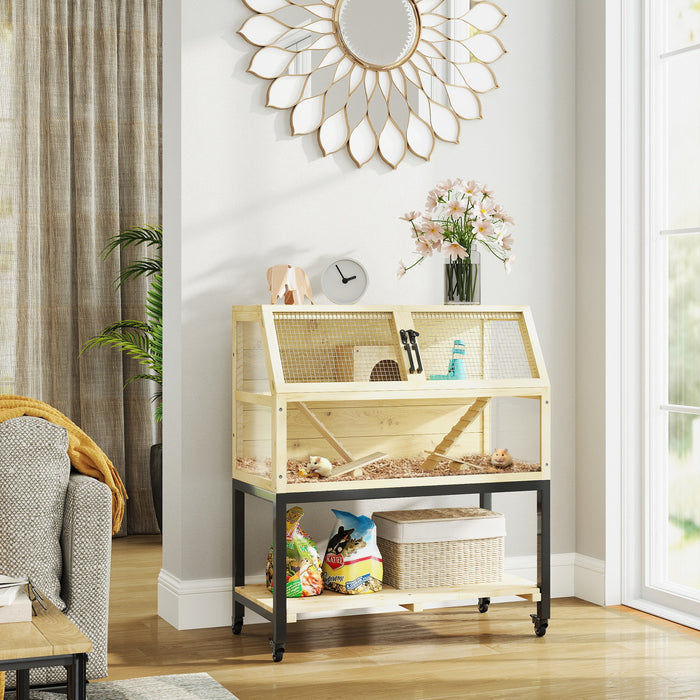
point(463, 279)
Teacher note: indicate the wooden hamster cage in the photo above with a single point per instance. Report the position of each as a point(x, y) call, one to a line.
point(371, 388)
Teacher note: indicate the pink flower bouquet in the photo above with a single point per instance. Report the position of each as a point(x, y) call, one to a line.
point(459, 214)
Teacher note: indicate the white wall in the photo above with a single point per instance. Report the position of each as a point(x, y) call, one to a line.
point(590, 277)
point(241, 193)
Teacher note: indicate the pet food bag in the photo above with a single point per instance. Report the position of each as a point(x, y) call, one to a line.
point(352, 563)
point(303, 562)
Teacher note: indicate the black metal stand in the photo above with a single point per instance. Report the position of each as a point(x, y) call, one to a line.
point(75, 664)
point(281, 501)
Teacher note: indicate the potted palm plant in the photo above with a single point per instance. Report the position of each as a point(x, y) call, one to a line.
point(142, 340)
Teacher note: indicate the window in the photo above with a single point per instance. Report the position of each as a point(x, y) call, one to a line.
point(673, 315)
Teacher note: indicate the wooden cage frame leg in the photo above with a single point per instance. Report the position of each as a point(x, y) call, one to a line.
point(472, 413)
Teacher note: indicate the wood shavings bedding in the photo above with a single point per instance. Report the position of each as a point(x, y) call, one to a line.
point(399, 468)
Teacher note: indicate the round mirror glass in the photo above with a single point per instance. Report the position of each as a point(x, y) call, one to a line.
point(378, 33)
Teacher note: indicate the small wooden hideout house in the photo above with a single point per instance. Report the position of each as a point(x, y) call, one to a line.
point(389, 394)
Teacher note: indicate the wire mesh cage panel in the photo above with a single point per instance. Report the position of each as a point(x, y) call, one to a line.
point(337, 347)
point(475, 346)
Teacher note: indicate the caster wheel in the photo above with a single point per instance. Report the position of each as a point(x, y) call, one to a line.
point(540, 626)
point(237, 625)
point(484, 604)
point(277, 651)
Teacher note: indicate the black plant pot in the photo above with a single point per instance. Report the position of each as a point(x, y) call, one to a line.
point(157, 481)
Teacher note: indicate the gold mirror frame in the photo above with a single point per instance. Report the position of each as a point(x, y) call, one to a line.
point(370, 109)
point(410, 6)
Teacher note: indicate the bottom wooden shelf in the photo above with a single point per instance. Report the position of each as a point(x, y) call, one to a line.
point(410, 598)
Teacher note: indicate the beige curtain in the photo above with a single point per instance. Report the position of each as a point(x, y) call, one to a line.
point(80, 88)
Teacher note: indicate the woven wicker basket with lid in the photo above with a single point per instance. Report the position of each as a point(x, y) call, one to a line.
point(440, 546)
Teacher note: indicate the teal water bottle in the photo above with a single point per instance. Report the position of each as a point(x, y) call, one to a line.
point(458, 368)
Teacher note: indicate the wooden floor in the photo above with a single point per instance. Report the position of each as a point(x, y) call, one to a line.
point(588, 651)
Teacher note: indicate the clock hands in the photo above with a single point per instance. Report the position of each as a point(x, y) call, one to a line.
point(344, 278)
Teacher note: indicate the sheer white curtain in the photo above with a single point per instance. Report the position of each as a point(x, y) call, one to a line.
point(80, 160)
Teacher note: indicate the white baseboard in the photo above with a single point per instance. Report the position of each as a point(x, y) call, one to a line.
point(662, 611)
point(207, 602)
point(195, 604)
point(562, 572)
point(589, 579)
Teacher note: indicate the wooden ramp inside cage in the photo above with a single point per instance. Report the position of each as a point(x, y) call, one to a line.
point(332, 440)
point(439, 453)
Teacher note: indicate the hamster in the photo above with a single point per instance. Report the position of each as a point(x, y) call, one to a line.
point(501, 458)
point(319, 465)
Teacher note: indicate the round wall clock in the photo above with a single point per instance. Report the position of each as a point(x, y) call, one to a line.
point(344, 281)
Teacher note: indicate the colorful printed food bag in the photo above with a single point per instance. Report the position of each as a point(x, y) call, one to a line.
point(353, 563)
point(303, 563)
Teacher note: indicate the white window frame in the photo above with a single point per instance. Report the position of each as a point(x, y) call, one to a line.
point(643, 405)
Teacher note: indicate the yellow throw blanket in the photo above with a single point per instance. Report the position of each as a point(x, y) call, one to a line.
point(84, 454)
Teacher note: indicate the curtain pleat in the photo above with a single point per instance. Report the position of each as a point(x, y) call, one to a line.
point(87, 158)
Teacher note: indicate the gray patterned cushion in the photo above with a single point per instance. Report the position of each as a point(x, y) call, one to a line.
point(34, 471)
point(87, 550)
point(87, 554)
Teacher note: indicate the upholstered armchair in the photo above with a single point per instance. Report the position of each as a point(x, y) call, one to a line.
point(56, 528)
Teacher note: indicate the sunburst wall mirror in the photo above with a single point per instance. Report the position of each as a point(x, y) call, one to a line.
point(375, 76)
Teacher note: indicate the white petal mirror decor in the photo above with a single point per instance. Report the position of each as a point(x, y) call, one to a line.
point(375, 76)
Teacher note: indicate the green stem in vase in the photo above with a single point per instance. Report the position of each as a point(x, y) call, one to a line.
point(467, 279)
point(462, 280)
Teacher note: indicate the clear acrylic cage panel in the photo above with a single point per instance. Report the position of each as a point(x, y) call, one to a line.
point(400, 430)
point(337, 347)
point(475, 346)
point(407, 433)
point(516, 426)
point(251, 368)
point(253, 440)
